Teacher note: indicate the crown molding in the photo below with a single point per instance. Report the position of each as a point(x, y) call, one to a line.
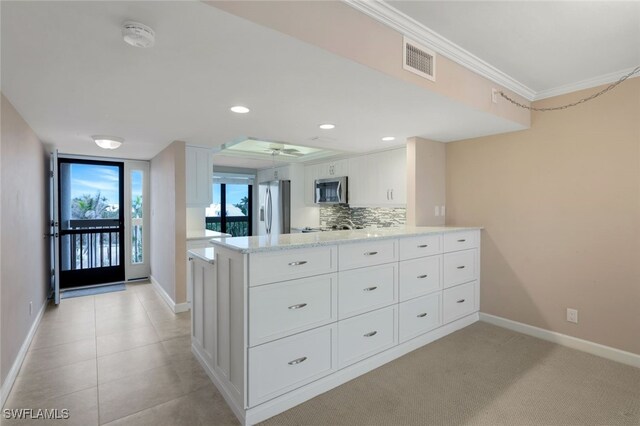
point(583, 84)
point(390, 16)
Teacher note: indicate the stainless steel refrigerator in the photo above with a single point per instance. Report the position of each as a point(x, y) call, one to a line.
point(274, 216)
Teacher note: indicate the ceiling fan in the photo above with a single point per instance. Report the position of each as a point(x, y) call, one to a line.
point(279, 149)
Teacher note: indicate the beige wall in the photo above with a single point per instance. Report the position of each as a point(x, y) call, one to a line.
point(168, 221)
point(426, 177)
point(358, 37)
point(560, 204)
point(23, 222)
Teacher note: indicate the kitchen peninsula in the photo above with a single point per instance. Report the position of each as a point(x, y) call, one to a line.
point(278, 320)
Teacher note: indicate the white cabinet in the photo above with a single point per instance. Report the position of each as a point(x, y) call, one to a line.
point(199, 175)
point(322, 171)
point(268, 323)
point(378, 179)
point(274, 173)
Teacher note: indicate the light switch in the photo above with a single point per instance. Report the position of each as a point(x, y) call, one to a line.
point(442, 211)
point(437, 211)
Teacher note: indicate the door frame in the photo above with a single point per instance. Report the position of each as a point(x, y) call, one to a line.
point(134, 271)
point(102, 275)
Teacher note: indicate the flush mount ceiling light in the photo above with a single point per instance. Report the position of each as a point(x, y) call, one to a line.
point(240, 109)
point(138, 35)
point(327, 126)
point(388, 138)
point(107, 142)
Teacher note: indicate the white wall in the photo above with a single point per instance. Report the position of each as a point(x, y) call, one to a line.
point(24, 217)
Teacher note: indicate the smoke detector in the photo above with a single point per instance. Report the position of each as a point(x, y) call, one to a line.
point(137, 34)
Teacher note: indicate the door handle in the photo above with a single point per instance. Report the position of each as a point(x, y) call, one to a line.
point(370, 334)
point(297, 361)
point(461, 267)
point(422, 315)
point(370, 288)
point(460, 301)
point(298, 306)
point(371, 253)
point(422, 276)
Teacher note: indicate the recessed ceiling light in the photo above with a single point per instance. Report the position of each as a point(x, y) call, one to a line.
point(327, 126)
point(240, 109)
point(388, 138)
point(107, 142)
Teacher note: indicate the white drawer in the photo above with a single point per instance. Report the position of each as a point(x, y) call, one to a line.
point(460, 301)
point(461, 240)
point(368, 253)
point(420, 246)
point(278, 310)
point(460, 267)
point(272, 266)
point(366, 335)
point(366, 289)
point(419, 315)
point(420, 276)
point(281, 366)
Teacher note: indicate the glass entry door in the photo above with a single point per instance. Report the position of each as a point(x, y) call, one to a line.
point(91, 222)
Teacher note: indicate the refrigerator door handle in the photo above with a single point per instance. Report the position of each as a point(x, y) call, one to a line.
point(269, 211)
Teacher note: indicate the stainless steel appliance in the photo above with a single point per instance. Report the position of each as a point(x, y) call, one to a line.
point(275, 208)
point(331, 191)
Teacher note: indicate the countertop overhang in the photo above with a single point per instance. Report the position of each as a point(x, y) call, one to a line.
point(315, 239)
point(207, 254)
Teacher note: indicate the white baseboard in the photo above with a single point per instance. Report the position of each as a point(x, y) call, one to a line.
point(597, 349)
point(5, 389)
point(175, 307)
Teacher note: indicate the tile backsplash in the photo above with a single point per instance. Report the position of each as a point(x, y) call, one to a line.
point(363, 216)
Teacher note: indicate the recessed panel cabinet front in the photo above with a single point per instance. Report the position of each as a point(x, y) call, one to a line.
point(281, 265)
point(417, 316)
point(365, 289)
point(366, 335)
point(281, 309)
point(420, 276)
point(460, 267)
point(286, 364)
point(369, 253)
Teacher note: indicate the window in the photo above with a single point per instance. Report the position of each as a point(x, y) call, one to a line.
point(231, 211)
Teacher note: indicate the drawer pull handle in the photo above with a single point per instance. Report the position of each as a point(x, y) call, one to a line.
point(422, 315)
point(373, 333)
point(462, 240)
point(461, 267)
point(298, 263)
point(370, 288)
point(371, 253)
point(460, 301)
point(297, 361)
point(422, 276)
point(298, 306)
point(423, 245)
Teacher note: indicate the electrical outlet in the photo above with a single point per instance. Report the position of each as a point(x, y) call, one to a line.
point(494, 96)
point(30, 308)
point(572, 315)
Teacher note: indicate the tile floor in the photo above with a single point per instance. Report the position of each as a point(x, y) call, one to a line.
point(120, 359)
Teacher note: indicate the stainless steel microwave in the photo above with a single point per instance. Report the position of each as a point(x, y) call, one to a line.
point(331, 191)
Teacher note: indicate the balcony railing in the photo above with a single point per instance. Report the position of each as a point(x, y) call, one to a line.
point(91, 243)
point(237, 226)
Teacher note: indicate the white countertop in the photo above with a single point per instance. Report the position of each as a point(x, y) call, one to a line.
point(314, 239)
point(204, 234)
point(207, 254)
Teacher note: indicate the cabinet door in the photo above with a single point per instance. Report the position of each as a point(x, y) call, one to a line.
point(396, 176)
point(339, 168)
point(358, 184)
point(377, 169)
point(309, 184)
point(199, 173)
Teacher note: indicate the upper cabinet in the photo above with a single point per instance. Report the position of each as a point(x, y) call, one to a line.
point(199, 175)
point(379, 179)
point(374, 180)
point(274, 173)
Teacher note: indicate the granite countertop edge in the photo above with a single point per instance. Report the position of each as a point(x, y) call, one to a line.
point(348, 237)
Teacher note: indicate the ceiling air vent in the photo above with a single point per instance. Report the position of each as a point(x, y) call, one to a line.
point(419, 60)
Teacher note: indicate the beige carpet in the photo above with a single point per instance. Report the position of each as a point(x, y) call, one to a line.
point(482, 375)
